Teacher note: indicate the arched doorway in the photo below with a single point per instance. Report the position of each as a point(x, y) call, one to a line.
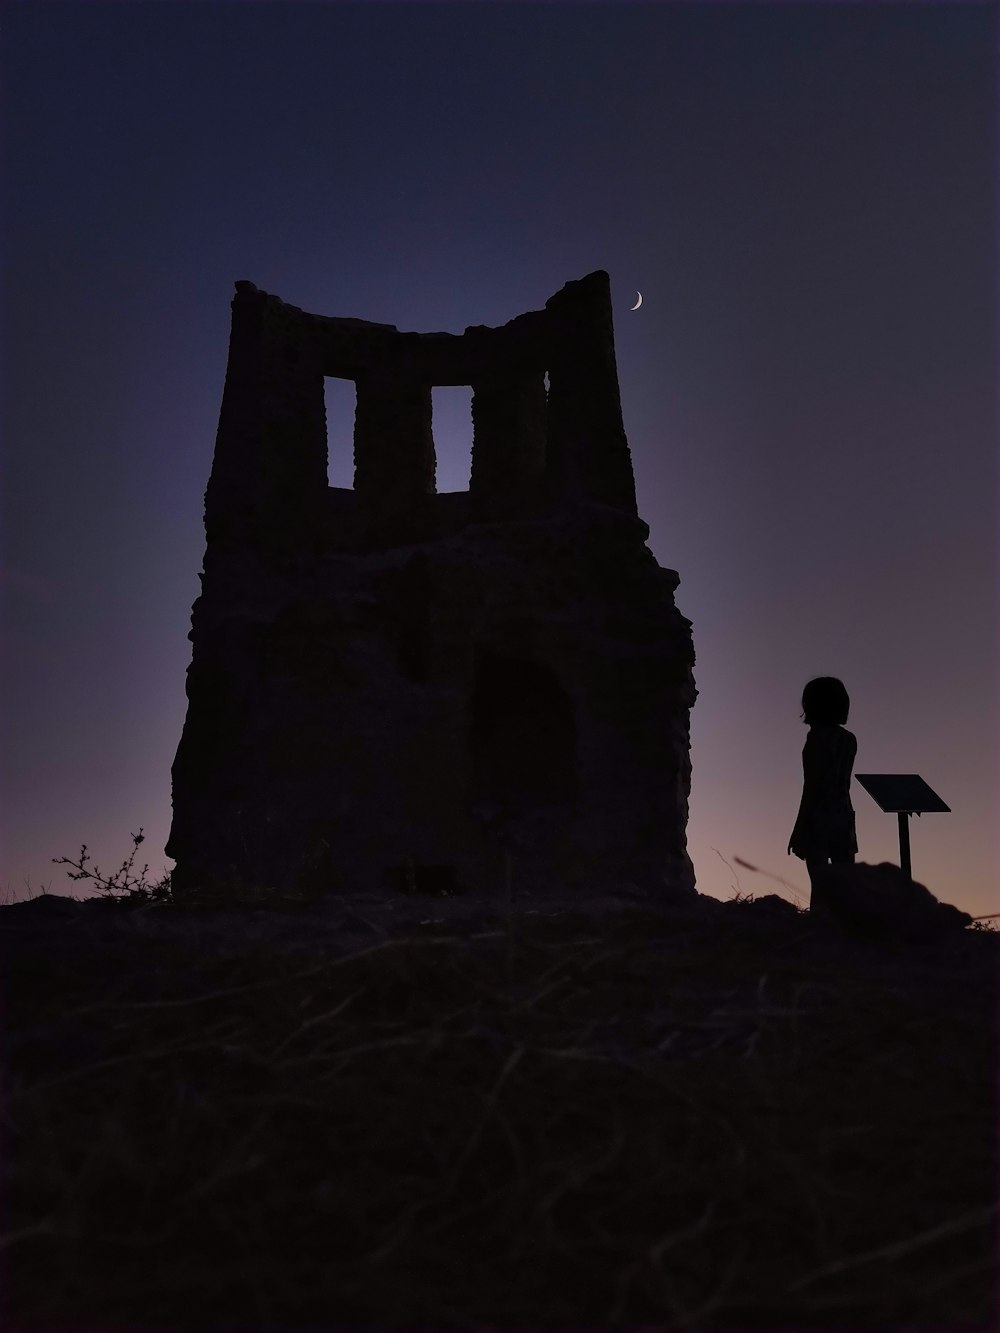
point(522, 732)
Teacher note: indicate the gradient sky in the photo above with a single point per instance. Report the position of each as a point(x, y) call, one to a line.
point(804, 194)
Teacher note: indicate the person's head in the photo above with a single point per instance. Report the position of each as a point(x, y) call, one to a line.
point(824, 700)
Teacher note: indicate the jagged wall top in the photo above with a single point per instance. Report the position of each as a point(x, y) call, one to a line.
point(554, 446)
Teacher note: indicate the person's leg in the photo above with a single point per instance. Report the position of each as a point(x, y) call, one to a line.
point(837, 857)
point(816, 865)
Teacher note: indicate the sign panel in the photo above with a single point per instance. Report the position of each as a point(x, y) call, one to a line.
point(902, 793)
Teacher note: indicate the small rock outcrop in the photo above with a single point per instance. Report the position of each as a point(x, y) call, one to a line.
point(879, 902)
point(394, 688)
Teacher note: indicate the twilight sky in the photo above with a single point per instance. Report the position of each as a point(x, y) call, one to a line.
point(804, 194)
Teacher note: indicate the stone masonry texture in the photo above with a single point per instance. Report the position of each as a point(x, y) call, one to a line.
point(392, 688)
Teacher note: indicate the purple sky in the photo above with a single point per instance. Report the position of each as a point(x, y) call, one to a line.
point(804, 194)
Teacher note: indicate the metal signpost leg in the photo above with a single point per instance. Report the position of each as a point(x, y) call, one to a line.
point(902, 794)
point(904, 842)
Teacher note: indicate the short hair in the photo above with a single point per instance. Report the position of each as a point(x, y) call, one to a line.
point(824, 700)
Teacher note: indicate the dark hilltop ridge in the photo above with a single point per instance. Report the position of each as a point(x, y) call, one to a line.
point(874, 909)
point(406, 1111)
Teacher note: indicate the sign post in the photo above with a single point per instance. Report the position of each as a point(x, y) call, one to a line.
point(902, 794)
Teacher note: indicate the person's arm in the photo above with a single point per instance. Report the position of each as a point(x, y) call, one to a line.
point(811, 768)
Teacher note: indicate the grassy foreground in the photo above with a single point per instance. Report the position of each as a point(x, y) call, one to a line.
point(655, 1122)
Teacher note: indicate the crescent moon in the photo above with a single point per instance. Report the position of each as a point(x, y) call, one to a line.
point(638, 301)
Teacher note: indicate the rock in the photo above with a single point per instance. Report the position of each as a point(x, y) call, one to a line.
point(951, 919)
point(44, 907)
point(774, 906)
point(879, 902)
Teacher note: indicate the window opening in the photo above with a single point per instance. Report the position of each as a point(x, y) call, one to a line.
point(341, 398)
point(451, 426)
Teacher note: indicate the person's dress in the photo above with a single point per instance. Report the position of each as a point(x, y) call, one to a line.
point(825, 823)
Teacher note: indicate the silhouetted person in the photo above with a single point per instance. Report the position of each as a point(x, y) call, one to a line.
point(824, 831)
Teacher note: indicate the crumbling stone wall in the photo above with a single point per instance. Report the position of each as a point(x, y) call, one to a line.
point(386, 681)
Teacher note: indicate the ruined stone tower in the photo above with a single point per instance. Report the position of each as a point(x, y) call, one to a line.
point(392, 687)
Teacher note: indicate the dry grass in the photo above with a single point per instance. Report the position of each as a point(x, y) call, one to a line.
point(655, 1122)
